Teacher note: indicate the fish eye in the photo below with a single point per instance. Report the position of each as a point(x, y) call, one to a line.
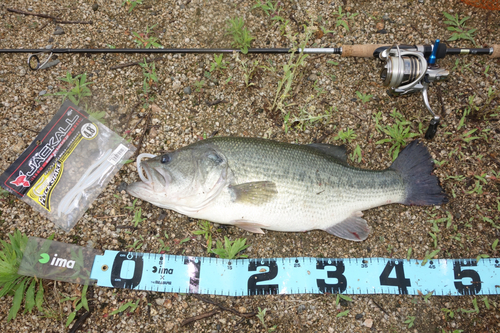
point(166, 158)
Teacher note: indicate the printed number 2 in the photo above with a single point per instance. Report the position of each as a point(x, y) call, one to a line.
point(262, 289)
point(399, 281)
point(338, 274)
point(471, 289)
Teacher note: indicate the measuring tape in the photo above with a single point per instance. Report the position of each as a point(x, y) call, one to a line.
point(244, 277)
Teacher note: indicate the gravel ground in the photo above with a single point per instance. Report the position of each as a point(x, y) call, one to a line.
point(185, 114)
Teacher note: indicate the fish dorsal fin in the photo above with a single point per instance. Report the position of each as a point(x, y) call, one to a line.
point(353, 228)
point(339, 152)
point(254, 193)
point(249, 226)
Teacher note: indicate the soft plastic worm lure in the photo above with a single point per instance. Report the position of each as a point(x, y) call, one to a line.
point(72, 199)
point(139, 169)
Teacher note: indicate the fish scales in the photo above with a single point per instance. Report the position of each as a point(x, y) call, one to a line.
point(256, 183)
point(312, 186)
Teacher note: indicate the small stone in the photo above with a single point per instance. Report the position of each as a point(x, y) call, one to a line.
point(368, 323)
point(18, 146)
point(312, 77)
point(43, 92)
point(113, 108)
point(50, 87)
point(176, 85)
point(359, 316)
point(48, 47)
point(121, 187)
point(22, 72)
point(385, 17)
point(95, 6)
point(301, 308)
point(380, 25)
point(187, 90)
point(160, 301)
point(58, 31)
point(383, 31)
point(51, 39)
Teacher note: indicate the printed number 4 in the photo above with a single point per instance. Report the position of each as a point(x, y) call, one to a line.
point(399, 281)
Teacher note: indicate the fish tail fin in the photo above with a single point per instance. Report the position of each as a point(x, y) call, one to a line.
point(415, 165)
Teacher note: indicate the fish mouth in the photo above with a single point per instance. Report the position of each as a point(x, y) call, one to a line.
point(154, 175)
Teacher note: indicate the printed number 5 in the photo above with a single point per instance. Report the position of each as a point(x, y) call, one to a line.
point(470, 289)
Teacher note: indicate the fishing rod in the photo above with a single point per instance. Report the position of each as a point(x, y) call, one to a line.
point(406, 68)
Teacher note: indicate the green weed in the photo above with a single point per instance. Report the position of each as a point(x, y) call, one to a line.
point(80, 302)
point(11, 283)
point(241, 35)
point(199, 85)
point(163, 247)
point(261, 315)
point(365, 98)
point(4, 193)
point(398, 133)
point(460, 31)
point(206, 231)
point(218, 63)
point(291, 68)
point(271, 8)
point(248, 68)
point(356, 154)
point(410, 321)
point(428, 256)
point(130, 306)
point(146, 40)
point(342, 18)
point(77, 88)
point(347, 136)
point(230, 249)
point(131, 4)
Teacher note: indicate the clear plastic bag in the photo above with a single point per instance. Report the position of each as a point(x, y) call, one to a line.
point(67, 166)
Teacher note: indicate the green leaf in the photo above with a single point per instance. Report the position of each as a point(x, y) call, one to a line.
point(84, 298)
point(39, 297)
point(342, 314)
point(30, 297)
point(16, 303)
point(71, 317)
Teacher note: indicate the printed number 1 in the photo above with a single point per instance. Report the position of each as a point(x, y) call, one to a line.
point(399, 281)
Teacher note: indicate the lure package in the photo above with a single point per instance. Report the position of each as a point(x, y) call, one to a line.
point(67, 166)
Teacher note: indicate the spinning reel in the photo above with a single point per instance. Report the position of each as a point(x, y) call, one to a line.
point(408, 71)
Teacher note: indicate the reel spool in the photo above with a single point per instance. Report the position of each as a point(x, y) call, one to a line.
point(408, 72)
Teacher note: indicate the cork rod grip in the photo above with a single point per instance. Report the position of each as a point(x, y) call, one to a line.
point(365, 51)
point(496, 51)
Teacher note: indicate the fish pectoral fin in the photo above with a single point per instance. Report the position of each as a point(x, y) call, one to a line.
point(339, 152)
point(352, 228)
point(249, 226)
point(254, 193)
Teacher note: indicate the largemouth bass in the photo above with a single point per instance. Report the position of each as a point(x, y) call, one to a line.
point(260, 184)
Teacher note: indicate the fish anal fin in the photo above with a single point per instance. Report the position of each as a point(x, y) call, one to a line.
point(353, 228)
point(254, 193)
point(249, 226)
